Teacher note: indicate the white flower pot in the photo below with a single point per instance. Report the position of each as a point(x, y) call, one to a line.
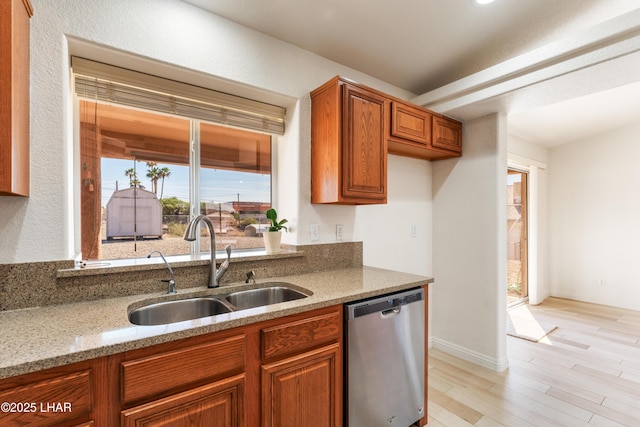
point(272, 241)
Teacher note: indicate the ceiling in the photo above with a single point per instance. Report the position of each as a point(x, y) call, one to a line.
point(420, 45)
point(578, 118)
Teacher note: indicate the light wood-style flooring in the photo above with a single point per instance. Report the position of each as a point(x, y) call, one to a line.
point(585, 373)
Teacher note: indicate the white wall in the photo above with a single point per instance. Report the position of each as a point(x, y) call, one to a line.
point(402, 226)
point(534, 159)
point(469, 246)
point(177, 40)
point(594, 211)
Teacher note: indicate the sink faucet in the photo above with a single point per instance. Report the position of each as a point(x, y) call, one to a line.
point(171, 281)
point(251, 277)
point(190, 236)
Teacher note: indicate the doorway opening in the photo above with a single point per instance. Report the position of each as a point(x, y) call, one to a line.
point(517, 289)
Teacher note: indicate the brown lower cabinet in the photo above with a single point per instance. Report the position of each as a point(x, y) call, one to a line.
point(219, 404)
point(302, 390)
point(301, 371)
point(281, 372)
point(57, 397)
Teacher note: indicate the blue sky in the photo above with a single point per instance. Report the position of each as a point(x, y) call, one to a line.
point(217, 186)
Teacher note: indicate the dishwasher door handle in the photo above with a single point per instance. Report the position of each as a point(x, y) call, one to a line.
point(391, 312)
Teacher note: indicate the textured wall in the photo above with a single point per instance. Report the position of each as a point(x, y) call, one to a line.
point(175, 40)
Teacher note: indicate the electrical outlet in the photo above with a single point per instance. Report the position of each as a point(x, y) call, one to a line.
point(314, 230)
point(339, 232)
point(602, 282)
point(414, 231)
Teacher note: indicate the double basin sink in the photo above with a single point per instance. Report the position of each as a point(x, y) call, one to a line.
point(194, 308)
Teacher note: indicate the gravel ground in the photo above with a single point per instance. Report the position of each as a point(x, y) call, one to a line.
point(172, 245)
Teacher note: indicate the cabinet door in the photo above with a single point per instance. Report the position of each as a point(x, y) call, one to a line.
point(447, 134)
point(220, 404)
point(14, 97)
point(410, 124)
point(364, 149)
point(304, 390)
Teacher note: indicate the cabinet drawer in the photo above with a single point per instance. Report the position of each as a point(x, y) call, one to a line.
point(294, 337)
point(410, 123)
point(151, 376)
point(49, 402)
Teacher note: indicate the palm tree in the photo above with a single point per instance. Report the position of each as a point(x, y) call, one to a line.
point(163, 173)
point(131, 173)
point(153, 175)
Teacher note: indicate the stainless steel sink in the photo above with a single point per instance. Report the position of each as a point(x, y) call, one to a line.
point(176, 311)
point(163, 313)
point(263, 296)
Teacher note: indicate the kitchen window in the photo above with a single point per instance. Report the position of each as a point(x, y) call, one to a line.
point(150, 160)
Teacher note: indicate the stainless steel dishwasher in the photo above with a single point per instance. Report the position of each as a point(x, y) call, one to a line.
point(385, 360)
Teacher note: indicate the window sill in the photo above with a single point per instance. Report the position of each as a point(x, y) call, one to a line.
point(94, 268)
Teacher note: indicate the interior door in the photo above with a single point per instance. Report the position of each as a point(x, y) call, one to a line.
point(516, 236)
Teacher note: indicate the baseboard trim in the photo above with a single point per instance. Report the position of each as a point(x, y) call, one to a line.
point(470, 355)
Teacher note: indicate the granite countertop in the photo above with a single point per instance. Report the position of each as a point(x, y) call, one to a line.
point(44, 337)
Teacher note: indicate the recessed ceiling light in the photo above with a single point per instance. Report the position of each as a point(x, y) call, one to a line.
point(483, 1)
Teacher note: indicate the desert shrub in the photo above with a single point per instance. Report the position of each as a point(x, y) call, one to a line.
point(176, 229)
point(174, 206)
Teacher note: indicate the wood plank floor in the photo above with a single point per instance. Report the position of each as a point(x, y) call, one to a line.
point(585, 373)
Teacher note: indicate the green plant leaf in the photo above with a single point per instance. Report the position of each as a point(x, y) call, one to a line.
point(272, 216)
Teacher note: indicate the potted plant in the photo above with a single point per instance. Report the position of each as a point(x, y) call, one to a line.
point(273, 235)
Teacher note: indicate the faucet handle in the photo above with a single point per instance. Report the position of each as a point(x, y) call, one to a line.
point(224, 266)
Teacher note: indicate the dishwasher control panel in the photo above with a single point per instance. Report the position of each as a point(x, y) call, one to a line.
point(381, 304)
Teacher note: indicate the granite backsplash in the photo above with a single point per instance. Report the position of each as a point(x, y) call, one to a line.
point(36, 284)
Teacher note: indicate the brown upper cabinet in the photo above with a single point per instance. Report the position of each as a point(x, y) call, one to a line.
point(349, 127)
point(354, 127)
point(14, 97)
point(423, 134)
point(410, 124)
point(447, 135)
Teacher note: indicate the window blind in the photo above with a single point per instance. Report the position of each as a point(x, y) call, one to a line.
point(107, 83)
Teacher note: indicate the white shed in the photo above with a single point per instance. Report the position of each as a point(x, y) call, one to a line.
point(134, 211)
